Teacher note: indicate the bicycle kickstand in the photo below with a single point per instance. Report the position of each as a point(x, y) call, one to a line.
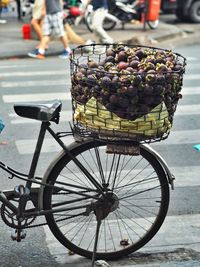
point(96, 241)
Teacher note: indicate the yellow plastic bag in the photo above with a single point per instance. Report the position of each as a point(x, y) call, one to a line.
point(95, 116)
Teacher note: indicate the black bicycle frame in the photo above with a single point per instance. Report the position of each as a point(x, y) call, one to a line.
point(45, 126)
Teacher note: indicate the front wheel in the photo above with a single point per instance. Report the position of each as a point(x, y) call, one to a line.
point(137, 198)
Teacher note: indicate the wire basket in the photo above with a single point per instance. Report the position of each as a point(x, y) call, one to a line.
point(125, 91)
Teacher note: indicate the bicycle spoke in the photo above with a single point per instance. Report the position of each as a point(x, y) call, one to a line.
point(115, 173)
point(99, 165)
point(141, 192)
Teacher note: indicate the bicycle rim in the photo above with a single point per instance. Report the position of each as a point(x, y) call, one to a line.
point(140, 203)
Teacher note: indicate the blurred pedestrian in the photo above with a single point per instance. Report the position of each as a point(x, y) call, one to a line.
point(38, 13)
point(53, 24)
point(72, 36)
point(18, 9)
point(2, 21)
point(100, 9)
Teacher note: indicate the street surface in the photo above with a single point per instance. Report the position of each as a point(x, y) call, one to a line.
point(178, 241)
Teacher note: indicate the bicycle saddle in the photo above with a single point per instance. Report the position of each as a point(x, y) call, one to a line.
point(42, 112)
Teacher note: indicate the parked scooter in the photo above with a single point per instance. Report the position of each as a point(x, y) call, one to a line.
point(121, 12)
point(26, 9)
point(73, 12)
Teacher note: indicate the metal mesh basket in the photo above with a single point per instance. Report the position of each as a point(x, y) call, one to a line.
point(125, 91)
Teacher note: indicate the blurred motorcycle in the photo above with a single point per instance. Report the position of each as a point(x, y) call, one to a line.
point(121, 12)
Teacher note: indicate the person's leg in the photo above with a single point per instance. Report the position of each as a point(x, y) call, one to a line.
point(44, 43)
point(18, 9)
point(65, 41)
point(67, 50)
point(58, 28)
point(97, 25)
point(47, 29)
point(37, 27)
point(72, 36)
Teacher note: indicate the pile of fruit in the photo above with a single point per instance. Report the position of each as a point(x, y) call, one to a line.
point(130, 81)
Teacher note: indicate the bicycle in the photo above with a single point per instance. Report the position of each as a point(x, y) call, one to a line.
point(102, 198)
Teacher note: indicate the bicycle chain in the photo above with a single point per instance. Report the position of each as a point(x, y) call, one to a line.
point(6, 214)
point(27, 225)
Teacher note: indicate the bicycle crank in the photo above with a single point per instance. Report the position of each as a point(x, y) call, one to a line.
point(11, 219)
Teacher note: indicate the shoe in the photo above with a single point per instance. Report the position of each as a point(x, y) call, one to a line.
point(36, 54)
point(89, 42)
point(65, 54)
point(88, 48)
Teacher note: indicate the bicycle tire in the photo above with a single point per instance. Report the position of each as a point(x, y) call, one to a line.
point(143, 193)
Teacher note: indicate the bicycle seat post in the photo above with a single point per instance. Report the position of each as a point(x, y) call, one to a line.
point(36, 154)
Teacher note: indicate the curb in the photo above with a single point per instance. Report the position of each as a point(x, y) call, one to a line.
point(144, 37)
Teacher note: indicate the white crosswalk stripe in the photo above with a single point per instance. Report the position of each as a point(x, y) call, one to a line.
point(33, 73)
point(192, 77)
point(22, 84)
point(195, 90)
point(36, 97)
point(27, 146)
point(175, 138)
point(183, 110)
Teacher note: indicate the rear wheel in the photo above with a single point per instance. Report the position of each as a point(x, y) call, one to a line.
point(135, 206)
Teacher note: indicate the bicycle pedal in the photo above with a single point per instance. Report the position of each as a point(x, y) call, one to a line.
point(18, 235)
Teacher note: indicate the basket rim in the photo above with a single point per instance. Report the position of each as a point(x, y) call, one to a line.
point(82, 47)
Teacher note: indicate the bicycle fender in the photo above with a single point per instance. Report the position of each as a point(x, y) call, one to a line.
point(162, 162)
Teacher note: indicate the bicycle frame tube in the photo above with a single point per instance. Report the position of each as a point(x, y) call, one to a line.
point(45, 126)
point(77, 162)
point(36, 154)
